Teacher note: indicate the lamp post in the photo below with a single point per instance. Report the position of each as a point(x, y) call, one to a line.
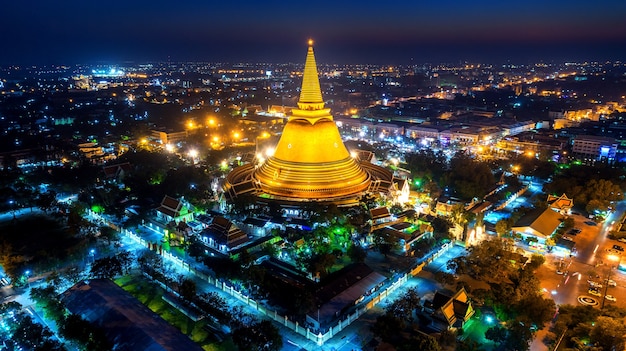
point(27, 274)
point(613, 258)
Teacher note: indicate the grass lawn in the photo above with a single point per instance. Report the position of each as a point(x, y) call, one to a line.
point(150, 294)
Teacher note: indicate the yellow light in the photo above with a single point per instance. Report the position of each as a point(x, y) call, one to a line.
point(310, 42)
point(269, 152)
point(216, 139)
point(190, 124)
point(236, 135)
point(211, 122)
point(169, 147)
point(193, 153)
point(143, 140)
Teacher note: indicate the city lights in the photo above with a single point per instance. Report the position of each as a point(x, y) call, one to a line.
point(314, 202)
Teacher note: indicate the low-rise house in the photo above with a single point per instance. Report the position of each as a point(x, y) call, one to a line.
point(449, 311)
point(223, 235)
point(561, 204)
point(539, 225)
point(173, 210)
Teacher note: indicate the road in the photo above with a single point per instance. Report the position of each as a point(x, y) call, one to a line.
point(592, 262)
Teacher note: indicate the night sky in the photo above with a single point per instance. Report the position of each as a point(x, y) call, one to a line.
point(115, 31)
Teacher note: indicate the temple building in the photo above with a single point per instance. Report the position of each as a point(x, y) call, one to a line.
point(310, 161)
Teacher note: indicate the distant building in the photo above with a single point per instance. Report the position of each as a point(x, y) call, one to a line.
point(170, 137)
point(591, 148)
point(116, 172)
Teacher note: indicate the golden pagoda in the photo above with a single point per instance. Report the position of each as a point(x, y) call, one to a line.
point(310, 161)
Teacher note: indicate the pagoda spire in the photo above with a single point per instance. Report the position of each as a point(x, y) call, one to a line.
point(311, 104)
point(310, 94)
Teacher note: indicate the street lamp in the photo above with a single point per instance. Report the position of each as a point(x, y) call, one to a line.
point(27, 274)
point(193, 153)
point(613, 258)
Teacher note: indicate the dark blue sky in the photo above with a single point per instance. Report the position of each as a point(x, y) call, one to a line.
point(71, 31)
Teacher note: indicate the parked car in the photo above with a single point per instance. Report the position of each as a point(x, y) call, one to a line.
point(618, 248)
point(594, 285)
point(574, 231)
point(611, 282)
point(610, 298)
point(594, 292)
point(622, 240)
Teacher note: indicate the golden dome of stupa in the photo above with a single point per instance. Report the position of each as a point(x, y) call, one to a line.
point(310, 161)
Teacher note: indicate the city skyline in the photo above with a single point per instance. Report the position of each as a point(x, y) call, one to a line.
point(350, 32)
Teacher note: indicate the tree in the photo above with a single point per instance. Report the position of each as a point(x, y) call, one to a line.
point(72, 274)
point(490, 260)
point(86, 334)
point(405, 306)
point(387, 326)
point(261, 336)
point(519, 335)
point(384, 243)
point(33, 336)
point(49, 301)
point(441, 228)
point(46, 201)
point(608, 333)
point(420, 342)
point(149, 261)
point(537, 309)
point(322, 263)
point(503, 227)
point(75, 218)
point(109, 234)
point(12, 263)
point(536, 260)
point(497, 334)
point(214, 305)
point(357, 253)
point(195, 248)
point(111, 267)
point(187, 289)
